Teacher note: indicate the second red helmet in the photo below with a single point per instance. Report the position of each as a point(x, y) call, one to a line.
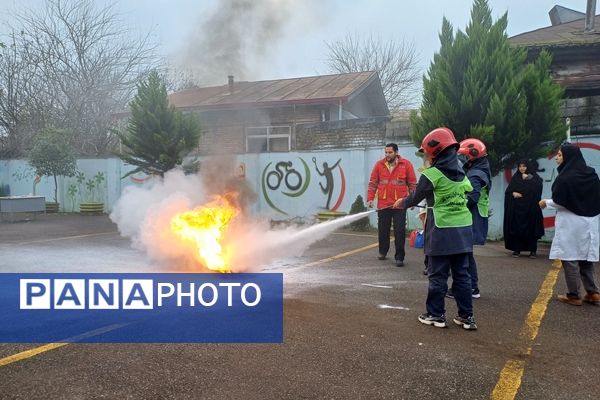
point(472, 148)
point(437, 140)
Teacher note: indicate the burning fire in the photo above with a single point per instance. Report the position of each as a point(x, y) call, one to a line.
point(205, 227)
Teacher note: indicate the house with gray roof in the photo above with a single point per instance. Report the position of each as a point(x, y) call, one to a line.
point(346, 110)
point(573, 39)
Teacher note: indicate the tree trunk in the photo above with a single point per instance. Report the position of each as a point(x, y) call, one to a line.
point(55, 190)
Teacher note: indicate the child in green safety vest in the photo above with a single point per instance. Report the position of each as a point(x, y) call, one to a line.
point(448, 231)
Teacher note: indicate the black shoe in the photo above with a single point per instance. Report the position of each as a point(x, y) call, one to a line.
point(467, 323)
point(399, 263)
point(532, 255)
point(516, 254)
point(450, 294)
point(381, 257)
point(425, 272)
point(428, 319)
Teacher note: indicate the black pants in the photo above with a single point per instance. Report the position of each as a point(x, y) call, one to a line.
point(439, 268)
point(384, 223)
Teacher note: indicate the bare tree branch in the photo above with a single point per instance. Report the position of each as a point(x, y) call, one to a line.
point(87, 68)
point(396, 62)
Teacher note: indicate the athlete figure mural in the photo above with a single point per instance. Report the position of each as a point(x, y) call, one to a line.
point(328, 188)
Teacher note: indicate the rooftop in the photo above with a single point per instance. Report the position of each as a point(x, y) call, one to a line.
point(304, 90)
point(564, 35)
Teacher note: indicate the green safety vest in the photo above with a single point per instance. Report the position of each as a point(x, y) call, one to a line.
point(450, 208)
point(484, 202)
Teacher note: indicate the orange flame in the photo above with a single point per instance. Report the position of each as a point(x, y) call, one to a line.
point(204, 227)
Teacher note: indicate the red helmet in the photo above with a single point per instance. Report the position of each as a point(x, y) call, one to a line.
point(472, 148)
point(437, 140)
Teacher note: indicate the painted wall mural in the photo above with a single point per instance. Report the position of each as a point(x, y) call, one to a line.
point(300, 184)
point(292, 178)
point(329, 182)
point(139, 178)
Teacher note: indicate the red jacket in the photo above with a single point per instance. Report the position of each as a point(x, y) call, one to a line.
point(391, 185)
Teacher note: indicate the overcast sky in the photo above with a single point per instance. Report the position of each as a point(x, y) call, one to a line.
point(293, 32)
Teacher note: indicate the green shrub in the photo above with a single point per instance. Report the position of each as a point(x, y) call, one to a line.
point(4, 190)
point(357, 207)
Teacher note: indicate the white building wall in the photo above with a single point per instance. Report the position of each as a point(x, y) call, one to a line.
point(282, 202)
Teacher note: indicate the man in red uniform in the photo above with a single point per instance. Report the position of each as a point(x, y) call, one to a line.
point(392, 178)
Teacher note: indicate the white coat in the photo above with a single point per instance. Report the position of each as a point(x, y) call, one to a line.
point(576, 238)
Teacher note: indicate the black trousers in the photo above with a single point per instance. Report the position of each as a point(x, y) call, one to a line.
point(384, 223)
point(439, 268)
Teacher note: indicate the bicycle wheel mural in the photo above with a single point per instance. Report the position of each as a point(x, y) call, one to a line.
point(293, 180)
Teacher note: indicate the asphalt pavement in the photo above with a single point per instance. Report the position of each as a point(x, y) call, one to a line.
point(350, 330)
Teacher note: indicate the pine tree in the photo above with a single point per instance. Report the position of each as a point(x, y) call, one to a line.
point(479, 86)
point(157, 136)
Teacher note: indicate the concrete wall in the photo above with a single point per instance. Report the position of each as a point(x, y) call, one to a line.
point(297, 189)
point(20, 177)
point(351, 133)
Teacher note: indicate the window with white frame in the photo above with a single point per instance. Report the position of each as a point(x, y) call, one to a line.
point(268, 139)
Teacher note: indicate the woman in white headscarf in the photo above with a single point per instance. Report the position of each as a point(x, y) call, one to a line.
point(576, 198)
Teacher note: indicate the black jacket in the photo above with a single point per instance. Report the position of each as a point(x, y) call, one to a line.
point(478, 172)
point(441, 241)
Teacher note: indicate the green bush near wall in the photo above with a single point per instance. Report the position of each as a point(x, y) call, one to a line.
point(4, 190)
point(357, 207)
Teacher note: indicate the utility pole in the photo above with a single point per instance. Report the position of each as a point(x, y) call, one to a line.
point(590, 16)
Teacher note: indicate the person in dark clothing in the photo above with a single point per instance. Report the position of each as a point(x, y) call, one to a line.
point(523, 219)
point(477, 168)
point(448, 231)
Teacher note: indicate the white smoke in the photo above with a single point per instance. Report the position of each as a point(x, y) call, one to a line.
point(284, 243)
point(144, 213)
point(241, 37)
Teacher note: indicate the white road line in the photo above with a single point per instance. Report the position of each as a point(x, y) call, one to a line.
point(379, 286)
point(394, 307)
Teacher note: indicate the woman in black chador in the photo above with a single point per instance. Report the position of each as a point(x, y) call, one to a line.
point(523, 220)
